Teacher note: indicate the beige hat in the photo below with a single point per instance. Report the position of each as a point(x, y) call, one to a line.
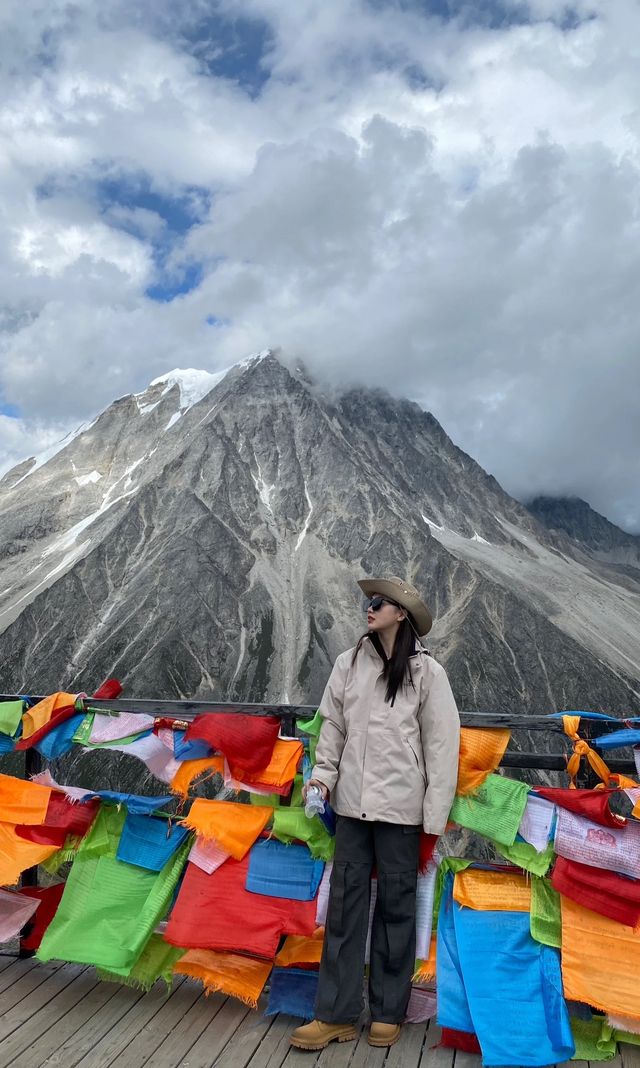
point(396, 589)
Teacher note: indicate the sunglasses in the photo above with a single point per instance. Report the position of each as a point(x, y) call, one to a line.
point(374, 603)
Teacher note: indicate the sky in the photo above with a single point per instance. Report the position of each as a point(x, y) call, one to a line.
point(435, 197)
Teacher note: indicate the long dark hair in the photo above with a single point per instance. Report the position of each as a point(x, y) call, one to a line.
point(396, 670)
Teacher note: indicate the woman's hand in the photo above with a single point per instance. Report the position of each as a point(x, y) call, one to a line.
point(314, 782)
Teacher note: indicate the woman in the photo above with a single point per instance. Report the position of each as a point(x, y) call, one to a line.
point(387, 757)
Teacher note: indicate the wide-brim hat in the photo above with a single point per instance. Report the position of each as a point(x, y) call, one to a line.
point(403, 593)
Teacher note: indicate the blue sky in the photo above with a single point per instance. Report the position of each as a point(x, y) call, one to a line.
point(403, 194)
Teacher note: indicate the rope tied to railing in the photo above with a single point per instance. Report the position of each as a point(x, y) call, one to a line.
point(581, 748)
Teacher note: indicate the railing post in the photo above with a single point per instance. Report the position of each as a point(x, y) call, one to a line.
point(288, 729)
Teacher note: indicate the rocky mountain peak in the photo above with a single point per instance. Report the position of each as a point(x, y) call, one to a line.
point(204, 537)
point(584, 525)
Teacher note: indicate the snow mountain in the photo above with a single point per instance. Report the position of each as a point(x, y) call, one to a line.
point(204, 537)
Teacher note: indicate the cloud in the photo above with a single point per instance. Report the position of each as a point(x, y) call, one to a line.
point(445, 206)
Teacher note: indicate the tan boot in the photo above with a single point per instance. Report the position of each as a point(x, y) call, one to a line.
point(383, 1034)
point(317, 1034)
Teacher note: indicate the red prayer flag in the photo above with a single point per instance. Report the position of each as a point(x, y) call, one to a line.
point(607, 892)
point(594, 804)
point(49, 897)
point(216, 912)
point(63, 817)
point(246, 741)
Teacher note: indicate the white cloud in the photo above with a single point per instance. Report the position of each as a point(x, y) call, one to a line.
point(444, 208)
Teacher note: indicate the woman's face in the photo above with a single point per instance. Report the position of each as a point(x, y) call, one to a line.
point(388, 615)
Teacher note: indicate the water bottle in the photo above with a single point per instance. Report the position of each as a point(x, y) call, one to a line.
point(314, 803)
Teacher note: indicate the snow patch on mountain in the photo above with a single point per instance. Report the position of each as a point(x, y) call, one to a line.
point(193, 384)
point(303, 532)
point(42, 458)
point(447, 530)
point(85, 480)
point(264, 488)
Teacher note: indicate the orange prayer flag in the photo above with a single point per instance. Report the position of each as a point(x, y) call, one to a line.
point(17, 854)
point(23, 801)
point(599, 960)
point(190, 769)
point(480, 753)
point(280, 770)
point(581, 749)
point(298, 949)
point(39, 715)
point(233, 826)
point(230, 973)
point(426, 969)
point(499, 891)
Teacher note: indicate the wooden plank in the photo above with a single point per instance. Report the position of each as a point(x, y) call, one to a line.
point(176, 1047)
point(301, 1058)
point(70, 1021)
point(467, 1060)
point(408, 1049)
point(275, 1046)
point(39, 999)
point(217, 1035)
point(48, 1017)
point(244, 1042)
point(141, 1014)
point(93, 1028)
point(630, 1055)
point(17, 968)
point(7, 959)
point(29, 979)
point(433, 1055)
point(366, 1056)
point(151, 1035)
point(340, 1054)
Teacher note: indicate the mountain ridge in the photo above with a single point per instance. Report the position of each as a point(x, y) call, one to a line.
point(216, 553)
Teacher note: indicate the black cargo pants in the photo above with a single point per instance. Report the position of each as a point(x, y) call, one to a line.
point(394, 848)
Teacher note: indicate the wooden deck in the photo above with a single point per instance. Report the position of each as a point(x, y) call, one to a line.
point(62, 1016)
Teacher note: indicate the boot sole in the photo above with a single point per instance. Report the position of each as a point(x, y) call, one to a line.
point(379, 1043)
point(347, 1036)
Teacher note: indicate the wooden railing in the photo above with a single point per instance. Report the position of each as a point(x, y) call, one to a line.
point(290, 714)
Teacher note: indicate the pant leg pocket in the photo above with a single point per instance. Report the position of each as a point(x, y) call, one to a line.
point(397, 905)
point(335, 907)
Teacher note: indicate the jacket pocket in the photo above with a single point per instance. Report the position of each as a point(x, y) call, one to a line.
point(414, 753)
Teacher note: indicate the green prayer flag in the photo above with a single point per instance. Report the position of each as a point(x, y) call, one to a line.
point(446, 865)
point(109, 908)
point(10, 716)
point(594, 1039)
point(494, 810)
point(526, 856)
point(155, 962)
point(545, 920)
point(311, 726)
point(291, 824)
point(65, 854)
point(83, 730)
point(627, 1036)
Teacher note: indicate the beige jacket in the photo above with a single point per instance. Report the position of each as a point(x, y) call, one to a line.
point(399, 763)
